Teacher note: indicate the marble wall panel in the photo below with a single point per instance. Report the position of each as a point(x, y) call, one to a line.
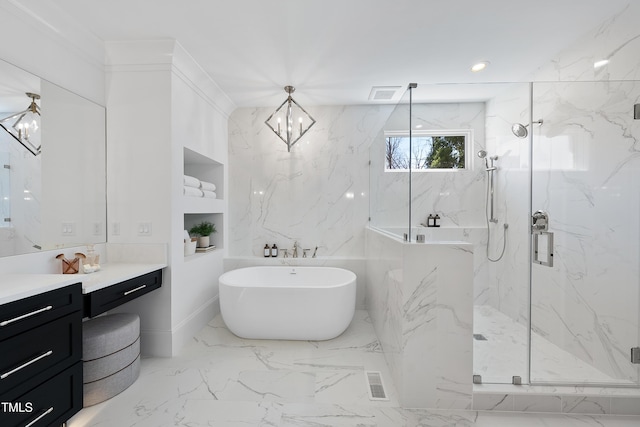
point(317, 194)
point(424, 294)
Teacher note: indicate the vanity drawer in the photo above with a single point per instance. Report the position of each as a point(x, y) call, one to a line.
point(102, 300)
point(37, 354)
point(19, 316)
point(50, 404)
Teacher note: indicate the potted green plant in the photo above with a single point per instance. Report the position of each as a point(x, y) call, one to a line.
point(202, 231)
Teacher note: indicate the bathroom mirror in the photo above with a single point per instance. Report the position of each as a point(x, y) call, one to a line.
point(57, 198)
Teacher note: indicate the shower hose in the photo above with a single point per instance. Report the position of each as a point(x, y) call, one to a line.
point(504, 236)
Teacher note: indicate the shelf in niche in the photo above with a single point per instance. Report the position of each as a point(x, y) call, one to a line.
point(200, 255)
point(204, 169)
point(202, 205)
point(217, 238)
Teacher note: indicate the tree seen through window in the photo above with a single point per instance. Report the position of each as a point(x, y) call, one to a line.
point(427, 152)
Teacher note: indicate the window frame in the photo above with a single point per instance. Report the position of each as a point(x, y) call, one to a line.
point(466, 133)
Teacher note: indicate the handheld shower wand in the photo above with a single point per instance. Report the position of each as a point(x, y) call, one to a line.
point(490, 168)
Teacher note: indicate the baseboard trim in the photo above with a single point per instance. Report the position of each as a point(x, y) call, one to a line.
point(193, 324)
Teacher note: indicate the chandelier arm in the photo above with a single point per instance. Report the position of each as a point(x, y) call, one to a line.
point(305, 111)
point(313, 122)
point(31, 149)
point(21, 113)
point(277, 109)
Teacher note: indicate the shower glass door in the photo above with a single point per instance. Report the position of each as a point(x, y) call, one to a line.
point(585, 276)
point(389, 176)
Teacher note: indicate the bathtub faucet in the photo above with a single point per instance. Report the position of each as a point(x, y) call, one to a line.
point(295, 250)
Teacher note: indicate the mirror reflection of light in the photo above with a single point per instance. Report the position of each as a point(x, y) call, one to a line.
point(349, 195)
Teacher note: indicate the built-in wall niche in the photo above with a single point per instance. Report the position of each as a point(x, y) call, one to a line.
point(216, 218)
point(205, 169)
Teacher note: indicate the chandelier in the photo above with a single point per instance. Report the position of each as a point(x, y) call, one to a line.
point(26, 125)
point(290, 121)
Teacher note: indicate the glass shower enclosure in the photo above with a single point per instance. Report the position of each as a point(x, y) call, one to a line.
point(586, 178)
point(548, 192)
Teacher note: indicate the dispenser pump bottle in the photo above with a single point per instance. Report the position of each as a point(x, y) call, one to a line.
point(267, 251)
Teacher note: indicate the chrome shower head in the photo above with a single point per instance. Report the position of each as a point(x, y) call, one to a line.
point(520, 130)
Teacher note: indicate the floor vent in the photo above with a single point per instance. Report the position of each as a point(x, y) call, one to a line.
point(375, 385)
point(479, 337)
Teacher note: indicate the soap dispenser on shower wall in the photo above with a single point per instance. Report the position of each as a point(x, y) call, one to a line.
point(267, 251)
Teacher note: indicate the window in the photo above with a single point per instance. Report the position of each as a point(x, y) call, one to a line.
point(441, 149)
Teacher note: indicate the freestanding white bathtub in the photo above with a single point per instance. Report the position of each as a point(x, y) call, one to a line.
point(288, 303)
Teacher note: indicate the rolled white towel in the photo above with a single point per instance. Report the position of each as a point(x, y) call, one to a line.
point(191, 181)
point(207, 186)
point(192, 191)
point(209, 194)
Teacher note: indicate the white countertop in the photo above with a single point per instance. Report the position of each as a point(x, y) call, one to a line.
point(14, 287)
point(111, 274)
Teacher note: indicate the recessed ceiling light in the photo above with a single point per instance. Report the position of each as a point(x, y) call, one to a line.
point(479, 66)
point(601, 63)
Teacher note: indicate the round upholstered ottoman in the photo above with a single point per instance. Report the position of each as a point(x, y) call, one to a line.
point(110, 355)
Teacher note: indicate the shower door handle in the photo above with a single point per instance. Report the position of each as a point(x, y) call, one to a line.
point(544, 235)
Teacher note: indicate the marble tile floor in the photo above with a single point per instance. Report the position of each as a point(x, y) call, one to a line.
point(504, 354)
point(221, 380)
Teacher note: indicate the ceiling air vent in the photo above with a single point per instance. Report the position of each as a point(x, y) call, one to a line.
point(383, 93)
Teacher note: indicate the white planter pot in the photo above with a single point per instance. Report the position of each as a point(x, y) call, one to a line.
point(203, 242)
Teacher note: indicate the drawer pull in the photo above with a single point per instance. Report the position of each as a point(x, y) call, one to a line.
point(135, 290)
point(24, 365)
point(33, 313)
point(45, 413)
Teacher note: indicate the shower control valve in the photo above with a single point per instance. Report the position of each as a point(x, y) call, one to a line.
point(539, 221)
